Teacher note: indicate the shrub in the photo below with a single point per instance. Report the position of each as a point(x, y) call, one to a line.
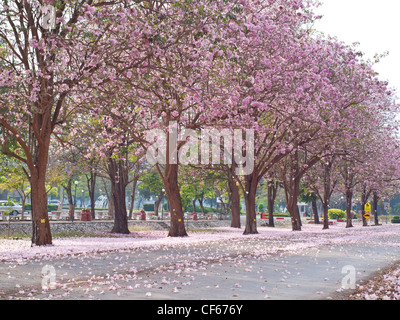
point(281, 214)
point(396, 219)
point(336, 214)
point(50, 207)
point(198, 209)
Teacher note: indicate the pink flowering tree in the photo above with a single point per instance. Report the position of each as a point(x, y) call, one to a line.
point(323, 180)
point(49, 49)
point(351, 90)
point(368, 165)
point(182, 85)
point(268, 74)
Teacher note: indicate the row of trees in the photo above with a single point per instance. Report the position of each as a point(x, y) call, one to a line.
point(99, 75)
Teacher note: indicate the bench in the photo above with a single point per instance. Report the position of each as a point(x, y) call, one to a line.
point(55, 215)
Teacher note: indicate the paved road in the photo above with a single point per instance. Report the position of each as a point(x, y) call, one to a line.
point(240, 269)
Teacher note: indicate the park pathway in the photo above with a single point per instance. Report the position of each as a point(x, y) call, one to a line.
point(306, 266)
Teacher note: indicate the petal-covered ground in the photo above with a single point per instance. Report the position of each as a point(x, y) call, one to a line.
point(96, 267)
point(385, 286)
point(310, 236)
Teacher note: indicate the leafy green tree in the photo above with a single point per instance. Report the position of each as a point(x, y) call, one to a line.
point(308, 196)
point(152, 185)
point(196, 185)
point(15, 179)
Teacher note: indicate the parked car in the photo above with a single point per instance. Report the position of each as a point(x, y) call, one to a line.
point(12, 207)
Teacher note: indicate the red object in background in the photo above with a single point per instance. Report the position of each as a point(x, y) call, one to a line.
point(195, 216)
point(263, 215)
point(142, 215)
point(86, 215)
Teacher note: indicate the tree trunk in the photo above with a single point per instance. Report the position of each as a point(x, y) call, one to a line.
point(223, 205)
point(177, 228)
point(235, 208)
point(251, 218)
point(327, 193)
point(118, 176)
point(315, 208)
point(110, 201)
point(325, 206)
point(375, 208)
point(251, 183)
point(23, 206)
point(111, 207)
point(194, 204)
point(91, 183)
point(157, 203)
point(133, 197)
point(364, 200)
point(272, 192)
point(292, 195)
point(235, 203)
point(201, 200)
point(349, 217)
point(295, 216)
point(120, 213)
point(68, 189)
point(41, 234)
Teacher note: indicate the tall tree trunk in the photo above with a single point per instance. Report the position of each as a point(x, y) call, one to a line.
point(110, 200)
point(292, 194)
point(325, 207)
point(177, 228)
point(157, 203)
point(201, 202)
point(111, 207)
point(118, 176)
point(375, 208)
point(91, 183)
point(23, 196)
point(68, 189)
point(235, 203)
point(272, 192)
point(315, 208)
point(194, 204)
point(134, 184)
point(327, 193)
point(295, 215)
point(41, 234)
point(251, 183)
point(291, 178)
point(364, 200)
point(349, 217)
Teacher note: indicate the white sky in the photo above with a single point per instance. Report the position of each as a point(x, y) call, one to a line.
point(374, 24)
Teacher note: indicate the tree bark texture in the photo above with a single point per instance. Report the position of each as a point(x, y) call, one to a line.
point(118, 176)
point(315, 208)
point(177, 228)
point(349, 216)
point(272, 192)
point(41, 234)
point(234, 203)
point(251, 183)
